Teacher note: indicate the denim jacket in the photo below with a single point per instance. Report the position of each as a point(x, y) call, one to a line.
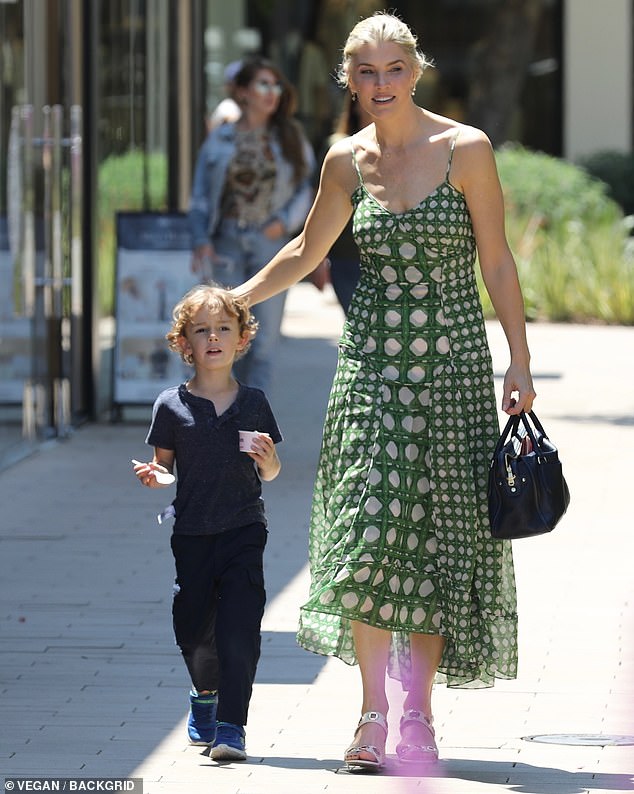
point(290, 202)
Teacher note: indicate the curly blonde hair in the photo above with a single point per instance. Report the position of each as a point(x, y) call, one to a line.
point(382, 26)
point(215, 299)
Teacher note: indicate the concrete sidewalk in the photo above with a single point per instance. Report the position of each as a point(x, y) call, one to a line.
point(92, 685)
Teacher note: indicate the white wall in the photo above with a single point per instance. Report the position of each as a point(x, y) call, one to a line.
point(597, 76)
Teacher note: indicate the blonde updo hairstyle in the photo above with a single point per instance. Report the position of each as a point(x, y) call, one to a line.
point(380, 27)
point(215, 299)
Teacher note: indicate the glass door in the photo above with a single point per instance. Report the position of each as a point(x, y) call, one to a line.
point(15, 339)
point(41, 216)
point(133, 130)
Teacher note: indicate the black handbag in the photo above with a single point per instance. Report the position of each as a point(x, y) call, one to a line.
point(527, 492)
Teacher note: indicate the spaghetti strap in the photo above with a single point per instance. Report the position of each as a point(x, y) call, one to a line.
point(356, 164)
point(451, 150)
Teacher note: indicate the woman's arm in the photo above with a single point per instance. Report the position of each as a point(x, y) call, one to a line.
point(326, 220)
point(198, 214)
point(475, 173)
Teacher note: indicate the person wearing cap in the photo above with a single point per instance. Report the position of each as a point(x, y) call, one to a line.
point(227, 110)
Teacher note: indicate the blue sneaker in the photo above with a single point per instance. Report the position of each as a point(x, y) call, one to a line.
point(229, 744)
point(201, 725)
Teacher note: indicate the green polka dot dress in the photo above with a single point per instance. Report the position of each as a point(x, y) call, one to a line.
point(399, 534)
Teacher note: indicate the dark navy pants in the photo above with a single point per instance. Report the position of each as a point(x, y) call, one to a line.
point(217, 611)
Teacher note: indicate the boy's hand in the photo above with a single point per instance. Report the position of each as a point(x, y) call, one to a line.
point(264, 454)
point(153, 475)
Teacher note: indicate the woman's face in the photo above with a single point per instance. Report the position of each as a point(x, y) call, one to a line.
point(263, 92)
point(381, 76)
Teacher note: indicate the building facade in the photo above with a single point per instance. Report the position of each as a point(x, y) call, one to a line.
point(103, 105)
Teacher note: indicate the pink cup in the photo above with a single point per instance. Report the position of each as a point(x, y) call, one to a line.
point(246, 439)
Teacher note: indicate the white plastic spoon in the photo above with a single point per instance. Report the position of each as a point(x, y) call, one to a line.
point(162, 477)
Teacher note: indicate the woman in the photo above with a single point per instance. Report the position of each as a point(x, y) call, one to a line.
point(251, 191)
point(404, 572)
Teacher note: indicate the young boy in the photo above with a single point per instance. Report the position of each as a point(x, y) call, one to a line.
point(220, 527)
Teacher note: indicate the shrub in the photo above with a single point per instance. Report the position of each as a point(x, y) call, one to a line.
point(124, 185)
point(555, 190)
point(616, 169)
point(570, 240)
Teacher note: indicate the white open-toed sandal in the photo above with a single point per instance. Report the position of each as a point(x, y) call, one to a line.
point(352, 756)
point(417, 753)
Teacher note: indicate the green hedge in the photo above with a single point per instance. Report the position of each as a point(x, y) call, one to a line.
point(128, 182)
point(616, 169)
point(571, 241)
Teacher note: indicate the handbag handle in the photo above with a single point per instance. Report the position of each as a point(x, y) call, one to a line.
point(512, 427)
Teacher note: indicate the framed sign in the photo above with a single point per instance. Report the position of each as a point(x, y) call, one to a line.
point(153, 273)
point(15, 327)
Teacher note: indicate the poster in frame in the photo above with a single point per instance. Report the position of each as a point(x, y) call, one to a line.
point(15, 326)
point(153, 272)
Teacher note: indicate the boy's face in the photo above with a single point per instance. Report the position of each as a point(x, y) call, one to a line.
point(213, 339)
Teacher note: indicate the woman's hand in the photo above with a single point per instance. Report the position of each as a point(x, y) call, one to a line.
point(518, 381)
point(320, 275)
point(202, 257)
point(273, 230)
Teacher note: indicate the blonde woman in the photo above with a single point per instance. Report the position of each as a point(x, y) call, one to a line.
point(405, 576)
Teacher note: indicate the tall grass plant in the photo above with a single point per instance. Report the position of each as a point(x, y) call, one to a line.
point(572, 244)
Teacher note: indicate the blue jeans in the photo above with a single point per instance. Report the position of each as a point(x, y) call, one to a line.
point(242, 253)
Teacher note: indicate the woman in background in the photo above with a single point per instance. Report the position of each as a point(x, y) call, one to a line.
point(251, 192)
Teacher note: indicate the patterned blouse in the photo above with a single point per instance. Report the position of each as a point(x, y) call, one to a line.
point(250, 179)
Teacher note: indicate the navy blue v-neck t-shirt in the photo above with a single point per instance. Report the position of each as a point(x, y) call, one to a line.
point(218, 487)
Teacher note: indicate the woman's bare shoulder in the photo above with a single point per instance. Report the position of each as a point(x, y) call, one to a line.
point(338, 167)
point(474, 159)
point(464, 134)
point(472, 136)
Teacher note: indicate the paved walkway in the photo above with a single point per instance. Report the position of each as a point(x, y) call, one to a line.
point(92, 685)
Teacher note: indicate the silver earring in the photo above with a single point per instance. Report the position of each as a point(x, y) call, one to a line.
point(353, 96)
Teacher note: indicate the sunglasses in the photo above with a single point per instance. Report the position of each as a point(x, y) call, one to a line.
point(263, 87)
